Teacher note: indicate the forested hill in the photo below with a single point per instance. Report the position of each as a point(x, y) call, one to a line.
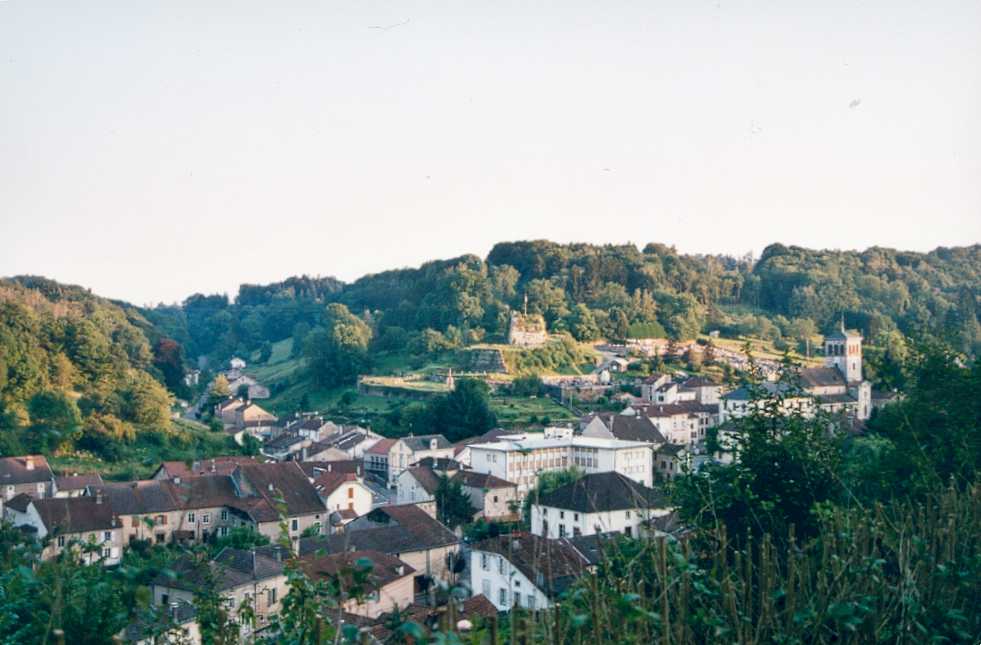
point(67, 352)
point(71, 360)
point(611, 291)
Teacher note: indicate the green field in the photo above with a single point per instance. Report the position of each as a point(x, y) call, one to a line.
point(515, 411)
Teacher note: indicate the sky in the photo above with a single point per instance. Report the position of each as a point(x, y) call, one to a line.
point(151, 150)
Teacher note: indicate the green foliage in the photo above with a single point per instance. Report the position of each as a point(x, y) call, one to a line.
point(530, 385)
point(453, 506)
point(336, 353)
point(786, 464)
point(562, 354)
point(934, 427)
point(464, 412)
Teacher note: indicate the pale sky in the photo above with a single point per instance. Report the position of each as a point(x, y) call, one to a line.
point(150, 150)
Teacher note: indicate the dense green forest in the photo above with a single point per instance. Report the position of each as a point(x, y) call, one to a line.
point(79, 369)
point(81, 375)
point(787, 295)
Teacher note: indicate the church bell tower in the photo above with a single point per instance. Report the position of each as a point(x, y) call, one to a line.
point(843, 351)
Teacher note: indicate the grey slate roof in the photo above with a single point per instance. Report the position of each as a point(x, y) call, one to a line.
point(599, 492)
point(551, 565)
point(421, 442)
point(14, 470)
point(821, 377)
point(229, 569)
point(389, 529)
point(75, 514)
point(140, 497)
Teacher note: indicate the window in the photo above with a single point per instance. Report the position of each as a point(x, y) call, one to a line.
point(106, 553)
point(271, 597)
point(164, 599)
point(502, 597)
point(483, 562)
point(531, 601)
point(575, 517)
point(206, 518)
point(350, 492)
point(295, 524)
point(223, 531)
point(500, 564)
point(561, 515)
point(495, 499)
point(628, 515)
point(162, 520)
point(224, 515)
point(61, 540)
point(10, 491)
point(107, 536)
point(629, 531)
point(190, 517)
point(561, 530)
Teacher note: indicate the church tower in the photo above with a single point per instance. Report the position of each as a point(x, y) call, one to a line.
point(843, 351)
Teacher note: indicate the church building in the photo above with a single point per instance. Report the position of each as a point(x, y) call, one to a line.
point(839, 386)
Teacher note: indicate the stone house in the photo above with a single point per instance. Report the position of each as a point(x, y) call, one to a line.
point(390, 584)
point(70, 523)
point(29, 474)
point(253, 577)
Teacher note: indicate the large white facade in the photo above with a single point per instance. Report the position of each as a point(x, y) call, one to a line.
point(503, 584)
point(521, 462)
point(553, 522)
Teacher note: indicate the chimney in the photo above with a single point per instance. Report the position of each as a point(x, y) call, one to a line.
point(29, 462)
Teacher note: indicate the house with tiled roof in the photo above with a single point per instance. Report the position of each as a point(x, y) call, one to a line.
point(284, 488)
point(607, 425)
point(405, 531)
point(70, 523)
point(414, 448)
point(416, 484)
point(494, 499)
point(596, 503)
point(28, 474)
point(524, 570)
point(213, 466)
point(388, 584)
point(341, 490)
point(376, 459)
point(252, 577)
point(148, 510)
point(75, 485)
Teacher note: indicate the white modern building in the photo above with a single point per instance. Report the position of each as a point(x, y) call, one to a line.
point(522, 461)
